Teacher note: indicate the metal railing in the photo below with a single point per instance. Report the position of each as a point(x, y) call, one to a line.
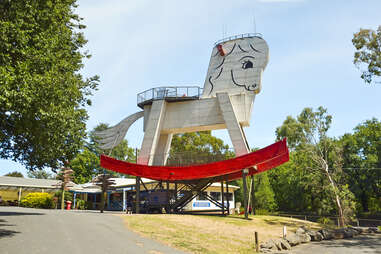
point(169, 92)
point(239, 36)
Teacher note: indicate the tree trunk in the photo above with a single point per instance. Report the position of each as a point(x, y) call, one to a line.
point(63, 197)
point(337, 198)
point(364, 201)
point(102, 204)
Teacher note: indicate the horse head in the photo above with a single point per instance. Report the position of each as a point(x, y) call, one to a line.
point(236, 66)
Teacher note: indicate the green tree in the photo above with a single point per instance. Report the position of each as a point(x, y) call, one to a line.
point(264, 195)
point(196, 148)
point(287, 182)
point(362, 163)
point(319, 155)
point(85, 165)
point(42, 93)
point(14, 174)
point(40, 174)
point(368, 52)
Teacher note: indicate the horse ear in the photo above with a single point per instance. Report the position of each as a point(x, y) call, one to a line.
point(221, 50)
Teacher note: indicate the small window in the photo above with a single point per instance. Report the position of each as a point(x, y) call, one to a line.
point(228, 196)
point(216, 195)
point(201, 196)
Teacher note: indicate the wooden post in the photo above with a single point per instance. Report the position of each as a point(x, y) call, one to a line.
point(222, 198)
point(20, 190)
point(256, 242)
point(244, 173)
point(63, 196)
point(284, 232)
point(227, 197)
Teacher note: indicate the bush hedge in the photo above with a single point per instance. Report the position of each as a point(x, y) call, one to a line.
point(81, 204)
point(38, 200)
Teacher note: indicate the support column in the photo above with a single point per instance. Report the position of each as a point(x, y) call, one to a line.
point(152, 132)
point(244, 174)
point(162, 149)
point(236, 133)
point(168, 206)
point(252, 195)
point(222, 198)
point(137, 189)
point(124, 200)
point(227, 197)
point(175, 191)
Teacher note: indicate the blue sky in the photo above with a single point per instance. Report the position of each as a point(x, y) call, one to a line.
point(137, 45)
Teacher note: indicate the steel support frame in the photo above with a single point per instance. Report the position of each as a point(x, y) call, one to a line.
point(194, 190)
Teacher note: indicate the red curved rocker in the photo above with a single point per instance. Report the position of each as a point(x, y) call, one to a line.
point(263, 159)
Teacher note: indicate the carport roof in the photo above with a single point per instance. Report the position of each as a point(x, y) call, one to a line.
point(29, 182)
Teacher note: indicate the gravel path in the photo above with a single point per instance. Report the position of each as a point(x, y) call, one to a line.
point(367, 244)
point(38, 231)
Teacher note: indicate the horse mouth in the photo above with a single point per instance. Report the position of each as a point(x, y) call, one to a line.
point(251, 87)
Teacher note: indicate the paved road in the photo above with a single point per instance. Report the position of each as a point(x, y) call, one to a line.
point(38, 231)
point(367, 244)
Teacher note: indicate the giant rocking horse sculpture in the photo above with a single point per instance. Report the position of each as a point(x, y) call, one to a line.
point(226, 101)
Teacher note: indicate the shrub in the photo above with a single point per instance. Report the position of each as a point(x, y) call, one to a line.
point(58, 195)
point(38, 200)
point(261, 212)
point(325, 221)
point(80, 204)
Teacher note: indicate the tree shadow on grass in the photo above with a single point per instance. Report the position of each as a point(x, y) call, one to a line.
point(285, 223)
point(237, 217)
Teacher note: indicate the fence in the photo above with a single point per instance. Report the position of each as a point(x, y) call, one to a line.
point(196, 158)
point(359, 222)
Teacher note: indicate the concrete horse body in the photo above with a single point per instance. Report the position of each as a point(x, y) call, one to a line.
point(232, 82)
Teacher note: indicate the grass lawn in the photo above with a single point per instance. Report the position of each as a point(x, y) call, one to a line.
point(211, 234)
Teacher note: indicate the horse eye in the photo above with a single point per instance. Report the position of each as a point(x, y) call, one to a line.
point(247, 64)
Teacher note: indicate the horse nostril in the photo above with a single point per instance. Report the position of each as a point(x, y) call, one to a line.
point(247, 64)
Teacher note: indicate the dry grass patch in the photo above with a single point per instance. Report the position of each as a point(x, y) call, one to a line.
point(211, 234)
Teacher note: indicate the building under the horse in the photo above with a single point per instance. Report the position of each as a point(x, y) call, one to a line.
point(120, 196)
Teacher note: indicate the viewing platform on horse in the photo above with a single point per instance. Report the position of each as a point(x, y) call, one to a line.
point(168, 93)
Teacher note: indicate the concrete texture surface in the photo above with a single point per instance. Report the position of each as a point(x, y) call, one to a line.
point(367, 244)
point(39, 231)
